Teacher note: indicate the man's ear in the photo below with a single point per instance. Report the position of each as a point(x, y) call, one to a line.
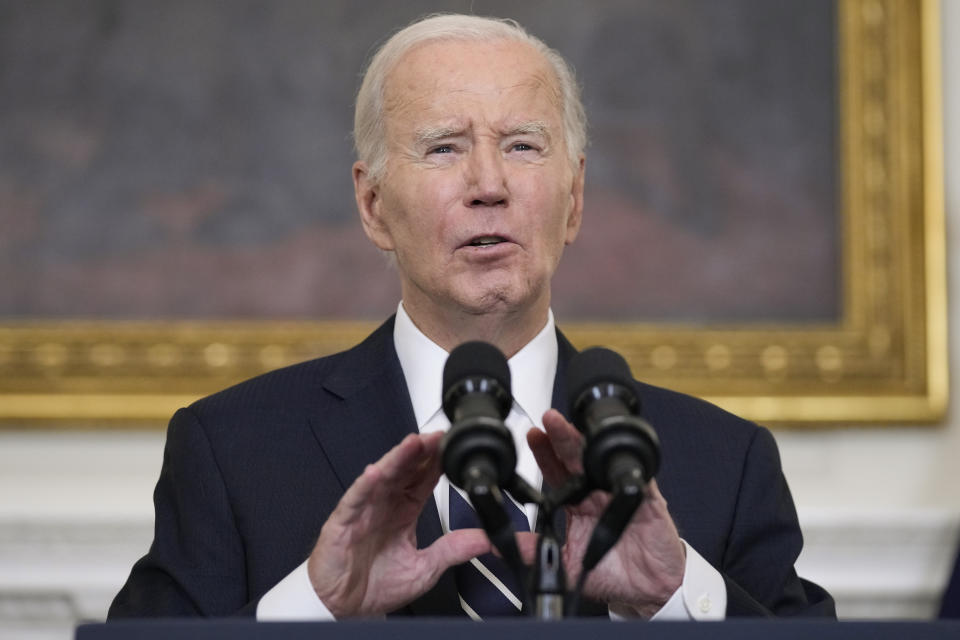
point(369, 204)
point(575, 216)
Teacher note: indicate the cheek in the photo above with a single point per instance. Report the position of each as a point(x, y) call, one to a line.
point(418, 209)
point(434, 204)
point(553, 209)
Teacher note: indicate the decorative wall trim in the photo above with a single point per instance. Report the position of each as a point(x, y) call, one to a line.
point(881, 564)
point(877, 564)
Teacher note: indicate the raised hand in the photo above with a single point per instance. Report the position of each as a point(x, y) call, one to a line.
point(646, 566)
point(366, 560)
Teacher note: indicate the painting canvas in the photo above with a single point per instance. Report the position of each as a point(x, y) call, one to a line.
point(168, 170)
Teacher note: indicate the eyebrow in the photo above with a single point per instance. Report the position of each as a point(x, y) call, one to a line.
point(426, 136)
point(429, 135)
point(537, 128)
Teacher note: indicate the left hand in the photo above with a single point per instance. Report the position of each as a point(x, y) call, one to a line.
point(646, 565)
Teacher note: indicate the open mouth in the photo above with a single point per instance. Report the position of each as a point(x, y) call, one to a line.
point(486, 241)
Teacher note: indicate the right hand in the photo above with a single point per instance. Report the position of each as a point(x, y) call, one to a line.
point(366, 560)
point(647, 564)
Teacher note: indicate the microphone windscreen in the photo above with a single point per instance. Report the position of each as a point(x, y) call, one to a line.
point(596, 365)
point(472, 359)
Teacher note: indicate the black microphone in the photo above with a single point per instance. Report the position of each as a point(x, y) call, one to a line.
point(622, 451)
point(478, 449)
point(621, 447)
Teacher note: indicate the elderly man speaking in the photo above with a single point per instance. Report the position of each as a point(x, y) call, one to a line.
point(316, 491)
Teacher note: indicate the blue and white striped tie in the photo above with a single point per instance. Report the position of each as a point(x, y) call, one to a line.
point(487, 585)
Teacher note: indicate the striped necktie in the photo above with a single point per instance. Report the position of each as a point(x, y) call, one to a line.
point(487, 585)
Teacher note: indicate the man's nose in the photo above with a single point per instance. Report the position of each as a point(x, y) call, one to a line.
point(486, 177)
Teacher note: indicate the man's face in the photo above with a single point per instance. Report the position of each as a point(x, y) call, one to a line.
point(479, 195)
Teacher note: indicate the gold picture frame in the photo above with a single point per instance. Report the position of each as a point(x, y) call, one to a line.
point(885, 360)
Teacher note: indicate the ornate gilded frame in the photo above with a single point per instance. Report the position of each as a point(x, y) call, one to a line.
point(884, 360)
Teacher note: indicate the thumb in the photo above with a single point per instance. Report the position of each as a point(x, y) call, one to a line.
point(454, 548)
point(527, 543)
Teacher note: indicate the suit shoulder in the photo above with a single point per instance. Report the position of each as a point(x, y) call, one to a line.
point(270, 401)
point(693, 417)
point(296, 387)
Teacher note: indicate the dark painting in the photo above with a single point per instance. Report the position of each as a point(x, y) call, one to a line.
point(191, 159)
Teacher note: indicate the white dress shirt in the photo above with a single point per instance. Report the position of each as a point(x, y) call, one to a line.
point(702, 596)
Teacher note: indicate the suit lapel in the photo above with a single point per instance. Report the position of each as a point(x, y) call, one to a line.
point(373, 414)
point(565, 351)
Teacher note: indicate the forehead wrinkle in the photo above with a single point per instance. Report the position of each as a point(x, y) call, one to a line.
point(409, 95)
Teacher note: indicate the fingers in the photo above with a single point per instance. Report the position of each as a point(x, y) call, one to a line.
point(558, 449)
point(411, 455)
point(565, 441)
point(653, 492)
point(453, 548)
point(423, 477)
point(412, 466)
point(554, 473)
point(527, 544)
point(654, 507)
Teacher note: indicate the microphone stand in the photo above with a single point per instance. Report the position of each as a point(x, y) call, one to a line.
point(549, 584)
point(544, 595)
point(549, 580)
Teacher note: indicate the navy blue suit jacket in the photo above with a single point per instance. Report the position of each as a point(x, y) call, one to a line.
point(250, 474)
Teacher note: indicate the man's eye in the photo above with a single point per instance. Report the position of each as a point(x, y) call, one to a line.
point(522, 146)
point(443, 148)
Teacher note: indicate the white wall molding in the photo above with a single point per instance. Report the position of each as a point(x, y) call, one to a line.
point(878, 564)
point(56, 573)
point(886, 564)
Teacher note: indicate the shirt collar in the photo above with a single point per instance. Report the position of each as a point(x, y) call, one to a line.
point(532, 369)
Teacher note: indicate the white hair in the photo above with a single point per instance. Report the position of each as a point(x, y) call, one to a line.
point(369, 134)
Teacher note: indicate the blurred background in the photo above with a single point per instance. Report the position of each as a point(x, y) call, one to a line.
point(152, 153)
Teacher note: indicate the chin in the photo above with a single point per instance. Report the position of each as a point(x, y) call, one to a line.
point(485, 305)
point(499, 293)
point(498, 300)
